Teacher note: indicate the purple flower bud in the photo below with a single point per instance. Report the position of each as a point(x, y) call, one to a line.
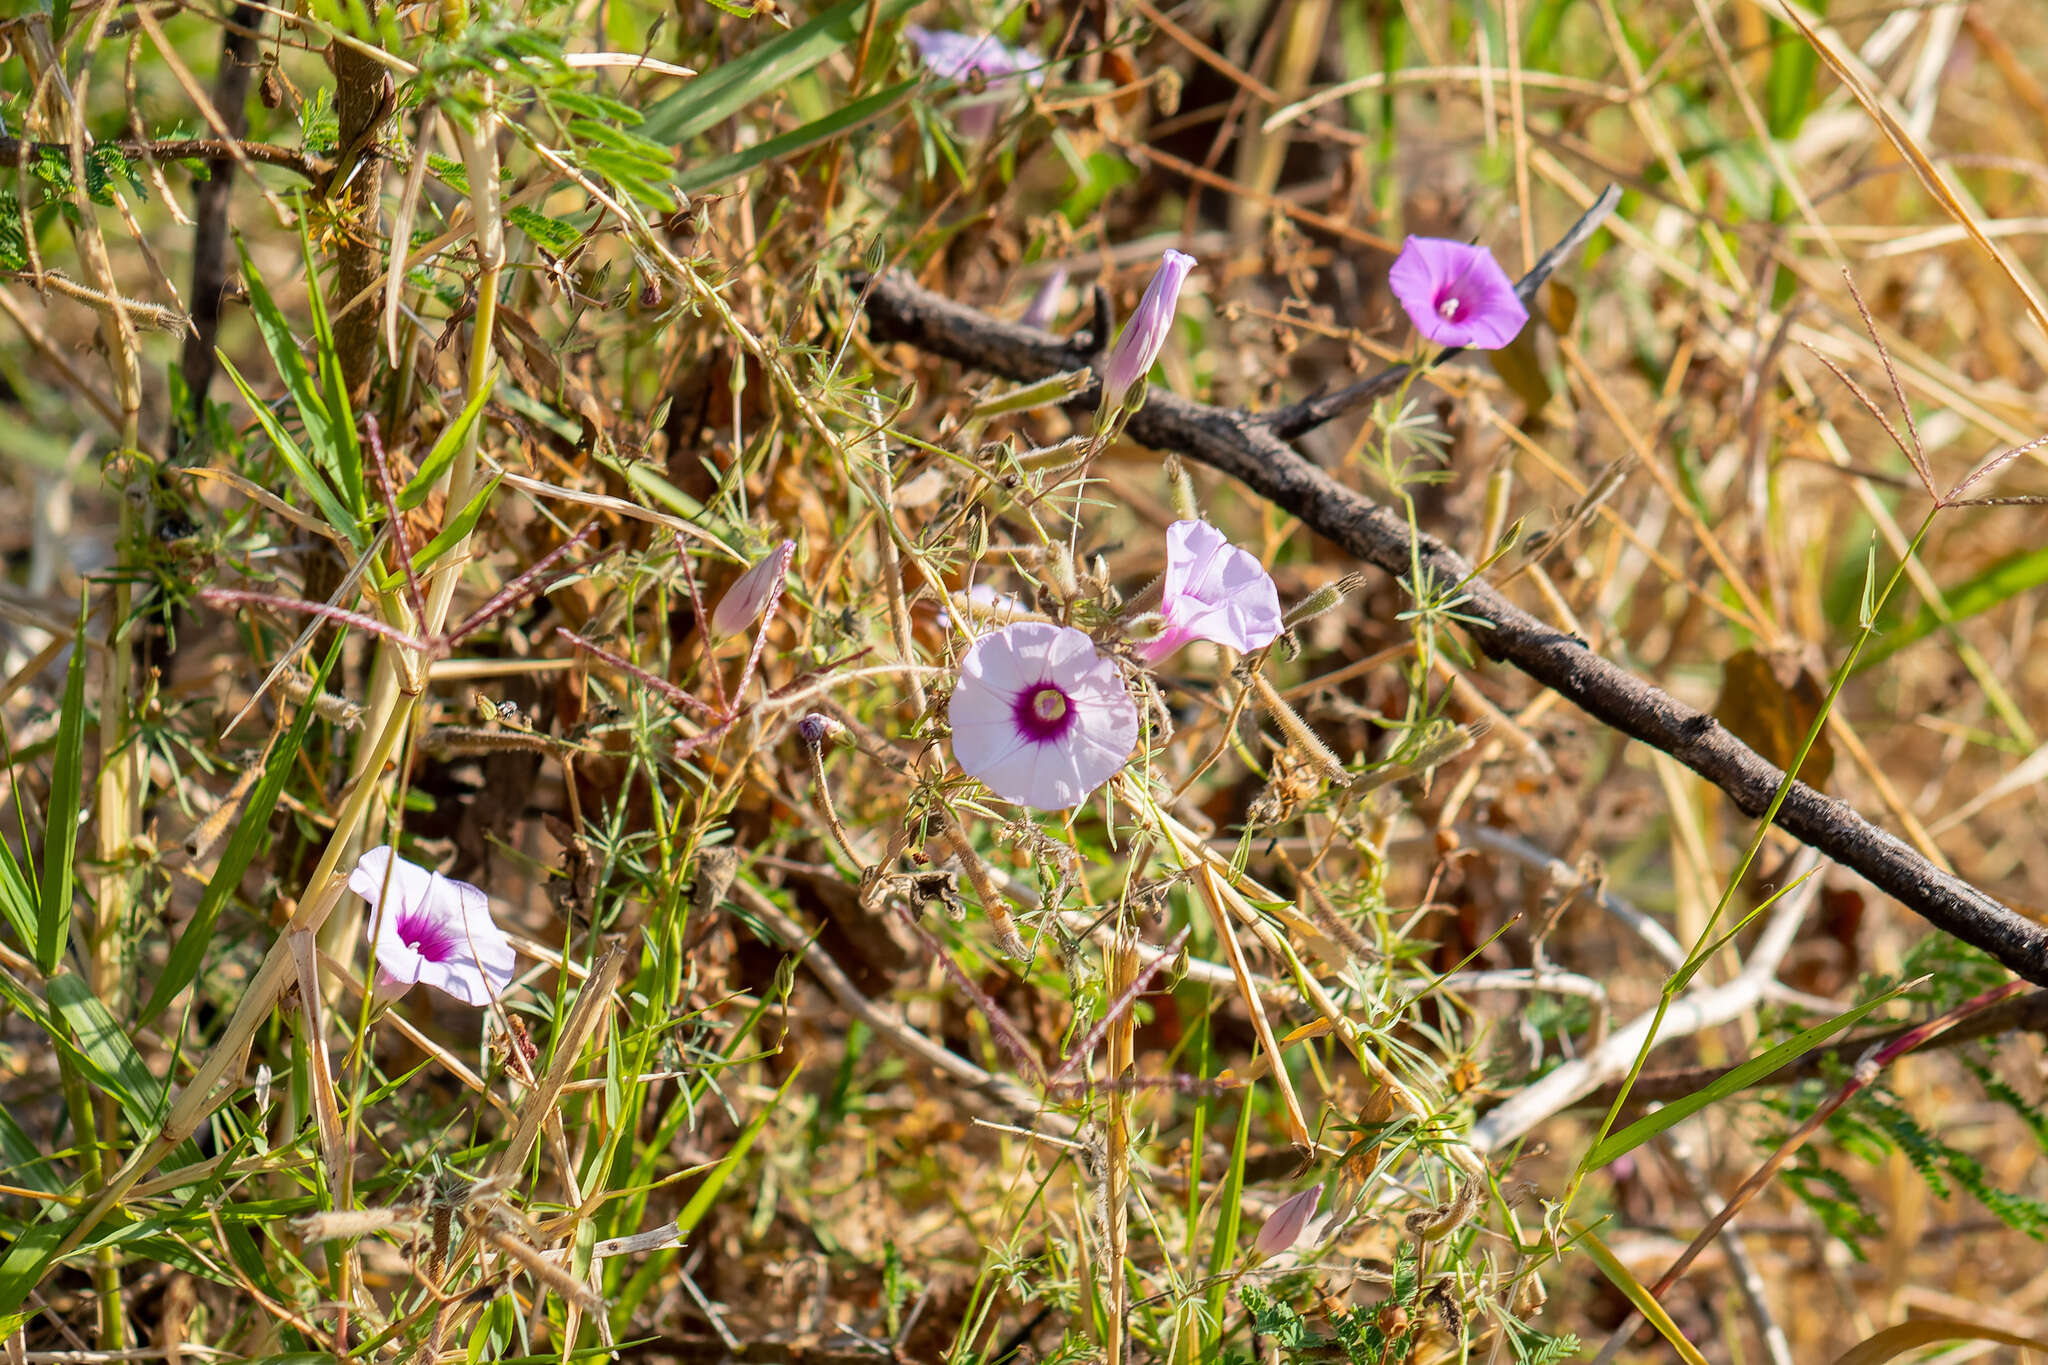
point(755, 591)
point(1045, 304)
point(1457, 295)
point(1284, 1228)
point(816, 727)
point(1144, 336)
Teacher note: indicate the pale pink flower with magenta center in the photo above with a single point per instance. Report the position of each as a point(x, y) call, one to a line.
point(1040, 717)
point(1213, 591)
point(971, 59)
point(1144, 336)
point(1456, 294)
point(430, 928)
point(753, 592)
point(1284, 1228)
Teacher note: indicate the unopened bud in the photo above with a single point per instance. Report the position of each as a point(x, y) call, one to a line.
point(1323, 599)
point(1284, 1228)
point(757, 589)
point(1044, 308)
point(816, 728)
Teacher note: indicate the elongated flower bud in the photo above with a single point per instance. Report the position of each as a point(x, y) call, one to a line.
point(1284, 1228)
point(752, 593)
point(1044, 307)
point(1144, 336)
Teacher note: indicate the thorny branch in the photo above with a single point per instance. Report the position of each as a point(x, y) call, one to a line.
point(1253, 448)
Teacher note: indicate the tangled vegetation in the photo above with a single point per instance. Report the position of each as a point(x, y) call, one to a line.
point(808, 683)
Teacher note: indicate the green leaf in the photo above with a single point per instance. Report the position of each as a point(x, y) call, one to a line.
point(60, 826)
point(596, 106)
point(344, 460)
point(310, 479)
point(252, 830)
point(458, 527)
point(443, 454)
point(724, 90)
point(112, 1058)
point(1637, 1293)
point(710, 174)
point(285, 354)
point(557, 236)
point(1748, 1074)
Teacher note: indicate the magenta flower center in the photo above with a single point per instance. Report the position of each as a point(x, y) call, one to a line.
point(430, 938)
point(1044, 713)
point(1448, 307)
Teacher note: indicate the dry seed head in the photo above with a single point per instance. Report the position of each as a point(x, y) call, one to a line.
point(1323, 599)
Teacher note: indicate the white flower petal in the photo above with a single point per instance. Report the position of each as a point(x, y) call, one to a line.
point(455, 944)
point(988, 742)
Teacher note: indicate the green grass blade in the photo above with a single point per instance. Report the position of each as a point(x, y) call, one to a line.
point(286, 355)
point(310, 479)
point(111, 1055)
point(836, 124)
point(252, 829)
point(724, 90)
point(443, 454)
point(1748, 1074)
point(1638, 1294)
point(1230, 1212)
point(60, 829)
point(346, 455)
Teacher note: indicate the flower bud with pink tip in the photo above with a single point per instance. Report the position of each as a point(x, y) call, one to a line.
point(433, 929)
point(753, 592)
point(1284, 1228)
point(1039, 716)
point(1456, 294)
point(1212, 591)
point(1144, 336)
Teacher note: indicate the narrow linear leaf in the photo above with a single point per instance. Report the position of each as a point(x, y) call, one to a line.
point(60, 827)
point(286, 355)
point(452, 534)
point(1637, 1293)
point(310, 479)
point(1748, 1074)
point(711, 174)
point(252, 830)
point(725, 89)
point(114, 1060)
point(1906, 1336)
point(443, 454)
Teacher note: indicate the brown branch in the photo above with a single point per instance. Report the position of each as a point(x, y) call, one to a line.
point(210, 207)
point(15, 151)
point(1248, 448)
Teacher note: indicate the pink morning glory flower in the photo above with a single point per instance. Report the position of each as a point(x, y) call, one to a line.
point(1457, 295)
point(1144, 336)
point(1039, 716)
point(961, 57)
point(1284, 1228)
point(1213, 591)
point(430, 928)
point(754, 592)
